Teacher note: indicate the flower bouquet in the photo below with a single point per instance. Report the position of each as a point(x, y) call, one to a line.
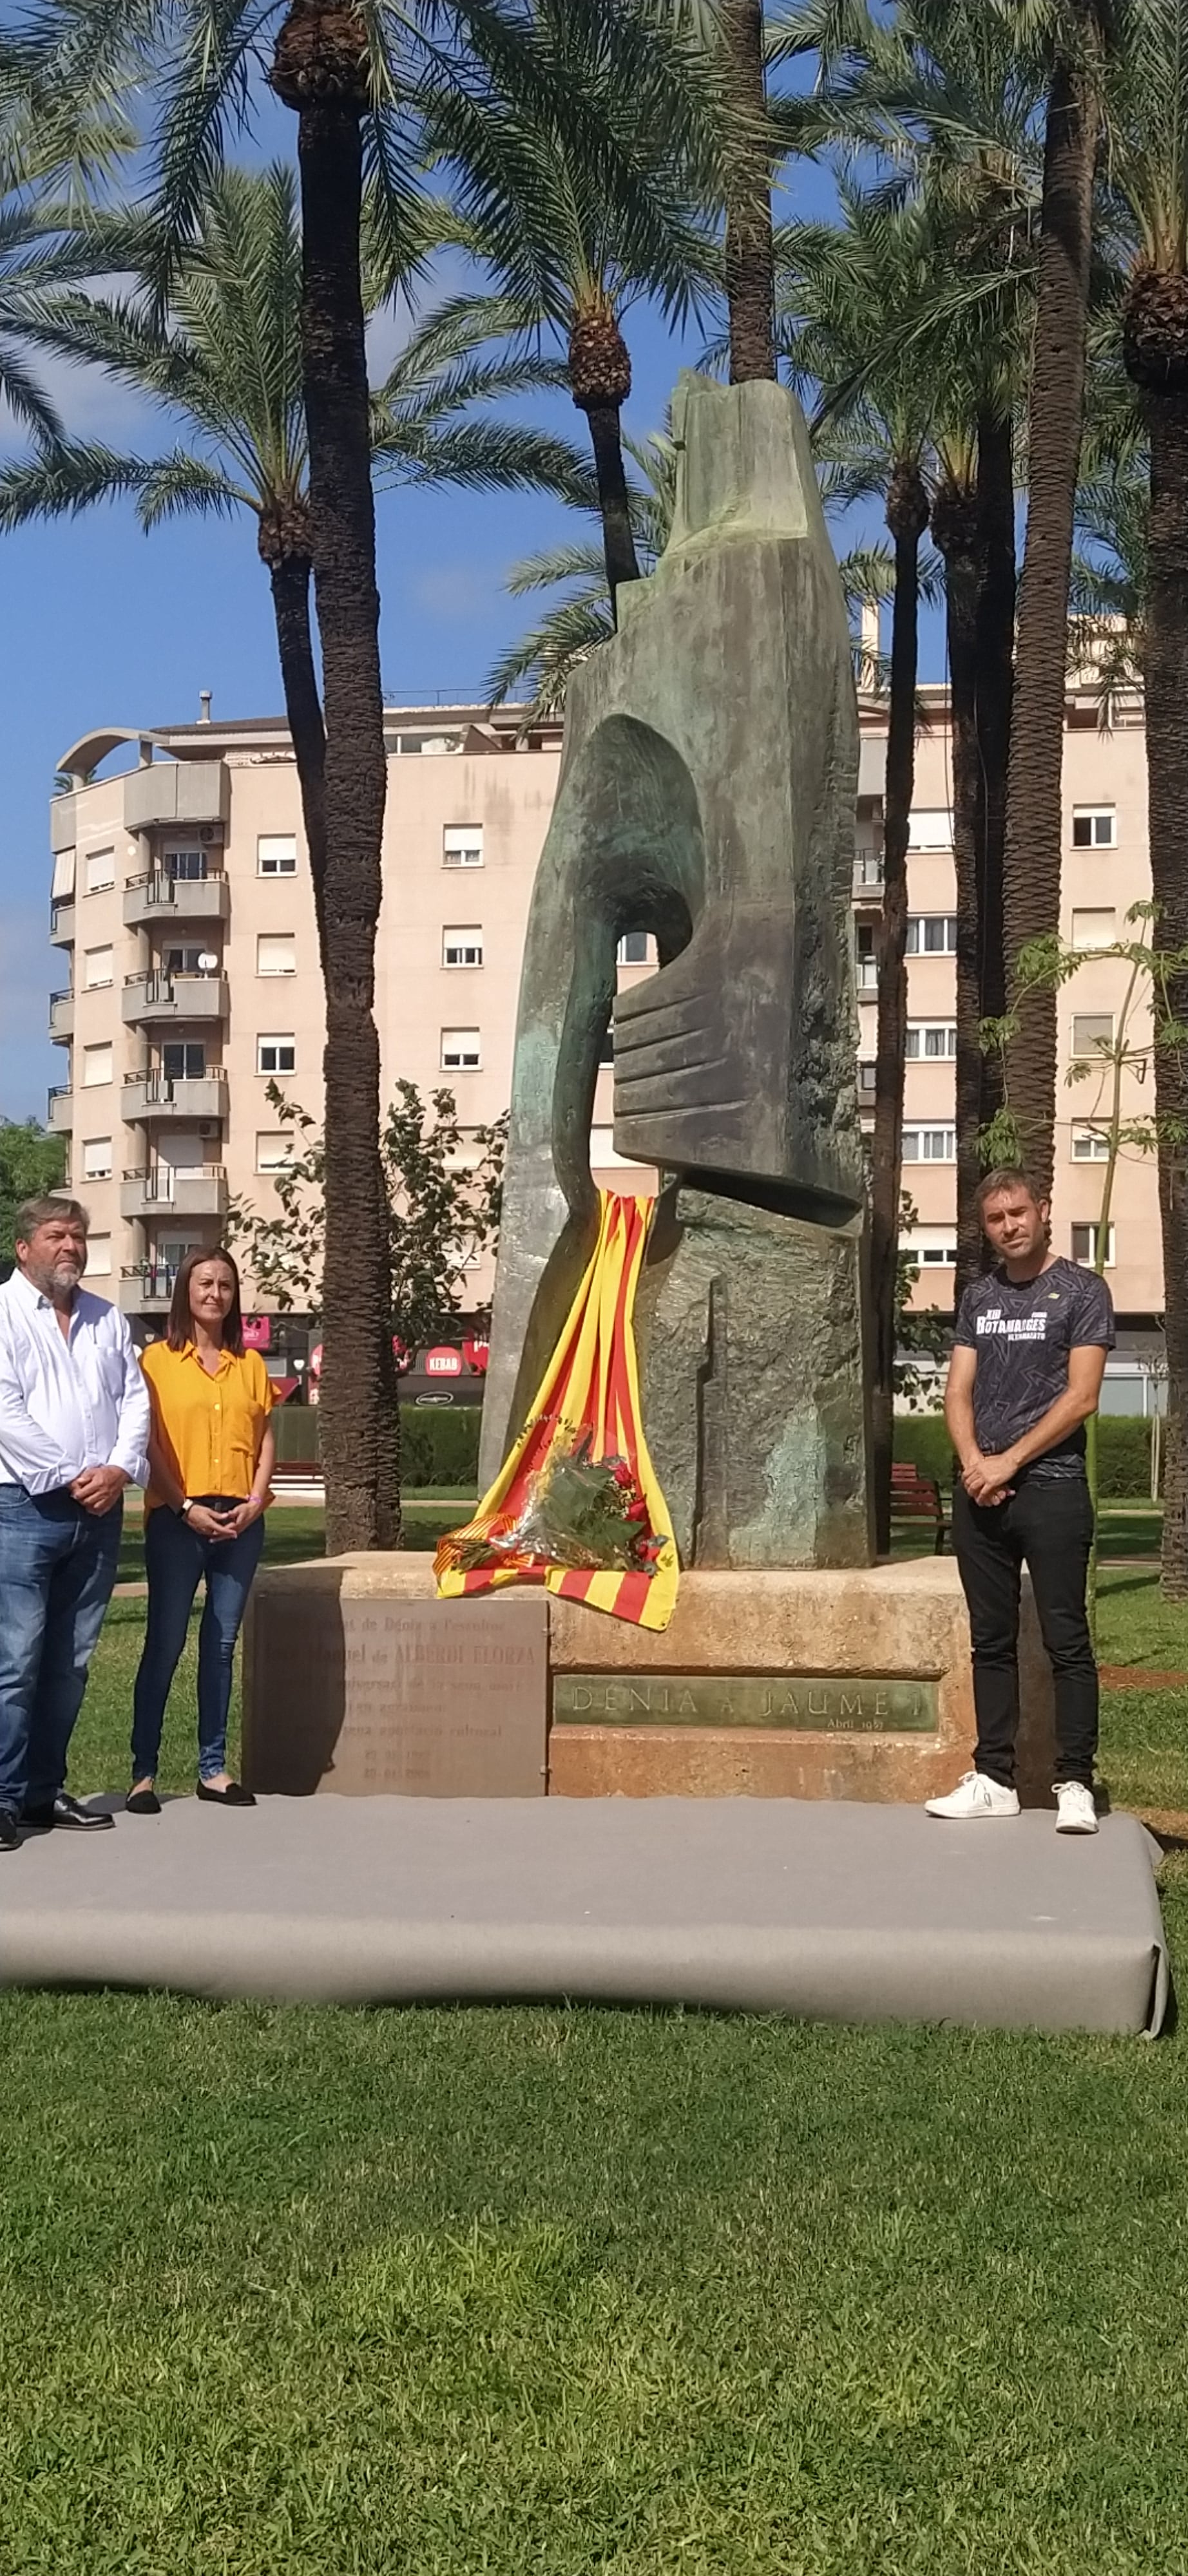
point(580, 1512)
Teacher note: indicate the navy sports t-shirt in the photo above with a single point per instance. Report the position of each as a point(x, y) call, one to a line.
point(1023, 1333)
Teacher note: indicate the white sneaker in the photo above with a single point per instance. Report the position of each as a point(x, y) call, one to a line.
point(975, 1795)
point(1075, 1811)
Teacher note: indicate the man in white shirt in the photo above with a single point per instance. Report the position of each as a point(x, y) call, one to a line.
point(74, 1421)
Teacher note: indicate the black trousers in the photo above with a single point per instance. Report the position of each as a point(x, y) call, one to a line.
point(1047, 1526)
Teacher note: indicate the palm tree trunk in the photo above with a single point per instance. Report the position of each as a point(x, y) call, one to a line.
point(290, 579)
point(750, 252)
point(1166, 662)
point(1055, 415)
point(618, 543)
point(955, 527)
point(995, 657)
point(321, 70)
point(907, 517)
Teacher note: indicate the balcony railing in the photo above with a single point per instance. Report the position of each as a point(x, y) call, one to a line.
point(61, 1014)
point(60, 1106)
point(147, 898)
point(153, 1094)
point(156, 993)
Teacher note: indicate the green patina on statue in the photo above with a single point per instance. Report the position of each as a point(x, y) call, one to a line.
point(707, 797)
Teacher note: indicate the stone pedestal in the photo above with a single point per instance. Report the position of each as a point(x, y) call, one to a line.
point(842, 1684)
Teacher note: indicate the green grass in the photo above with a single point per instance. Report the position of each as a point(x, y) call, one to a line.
point(476, 2293)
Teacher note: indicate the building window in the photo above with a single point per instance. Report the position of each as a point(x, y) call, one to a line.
point(97, 1066)
point(866, 1081)
point(184, 1061)
point(603, 1157)
point(633, 949)
point(1084, 1245)
point(1090, 1145)
point(62, 889)
point(931, 1249)
point(100, 871)
point(276, 1055)
point(276, 854)
point(462, 845)
point(868, 870)
point(930, 828)
point(1092, 1033)
point(932, 934)
point(461, 1051)
point(927, 1039)
point(929, 1145)
point(276, 952)
point(274, 1152)
point(606, 1052)
point(98, 968)
point(866, 962)
point(1094, 827)
point(98, 1256)
point(461, 946)
point(1096, 929)
point(185, 865)
point(96, 1158)
point(189, 961)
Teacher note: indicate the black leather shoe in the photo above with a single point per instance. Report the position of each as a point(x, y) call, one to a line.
point(142, 1802)
point(233, 1796)
point(10, 1830)
point(69, 1815)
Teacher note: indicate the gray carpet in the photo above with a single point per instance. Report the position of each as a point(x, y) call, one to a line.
point(838, 1912)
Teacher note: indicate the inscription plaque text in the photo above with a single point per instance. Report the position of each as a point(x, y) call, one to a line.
point(808, 1702)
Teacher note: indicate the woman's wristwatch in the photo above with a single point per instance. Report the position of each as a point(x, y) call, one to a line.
point(185, 1508)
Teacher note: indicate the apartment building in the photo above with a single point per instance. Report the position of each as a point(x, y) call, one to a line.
point(182, 903)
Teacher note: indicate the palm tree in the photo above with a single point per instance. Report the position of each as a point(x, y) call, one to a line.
point(1031, 882)
point(226, 361)
point(375, 85)
point(47, 146)
point(545, 657)
point(731, 36)
point(1148, 165)
point(577, 259)
point(839, 284)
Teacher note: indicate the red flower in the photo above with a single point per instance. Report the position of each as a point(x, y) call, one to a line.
point(622, 1474)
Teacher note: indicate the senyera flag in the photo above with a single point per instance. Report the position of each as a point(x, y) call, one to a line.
point(587, 1411)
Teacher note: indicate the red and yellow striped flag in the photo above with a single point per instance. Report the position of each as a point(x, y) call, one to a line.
point(591, 1384)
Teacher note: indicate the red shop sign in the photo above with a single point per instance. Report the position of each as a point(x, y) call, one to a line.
point(443, 1361)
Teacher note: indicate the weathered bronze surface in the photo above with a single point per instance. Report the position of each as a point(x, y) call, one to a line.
point(818, 1703)
point(707, 797)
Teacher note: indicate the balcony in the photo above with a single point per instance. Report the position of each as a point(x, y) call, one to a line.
point(150, 1095)
point(62, 922)
point(161, 897)
point(868, 877)
point(165, 1191)
point(61, 1017)
point(176, 791)
point(150, 998)
point(145, 1290)
point(60, 1108)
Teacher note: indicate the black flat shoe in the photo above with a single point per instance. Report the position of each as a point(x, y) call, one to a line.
point(142, 1802)
point(10, 1830)
point(69, 1815)
point(231, 1797)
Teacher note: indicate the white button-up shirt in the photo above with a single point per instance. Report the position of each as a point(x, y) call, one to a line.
point(67, 1401)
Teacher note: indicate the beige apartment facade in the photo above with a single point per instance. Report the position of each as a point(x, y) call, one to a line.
point(183, 907)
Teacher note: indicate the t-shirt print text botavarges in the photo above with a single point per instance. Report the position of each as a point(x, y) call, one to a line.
point(1023, 1332)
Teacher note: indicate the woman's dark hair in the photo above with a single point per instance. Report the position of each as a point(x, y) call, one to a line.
point(180, 1328)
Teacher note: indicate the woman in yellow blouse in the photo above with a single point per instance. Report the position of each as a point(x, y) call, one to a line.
point(211, 1455)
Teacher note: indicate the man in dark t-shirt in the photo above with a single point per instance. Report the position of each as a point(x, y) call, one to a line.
point(1025, 1375)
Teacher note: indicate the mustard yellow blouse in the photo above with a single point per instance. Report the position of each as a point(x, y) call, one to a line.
point(210, 1428)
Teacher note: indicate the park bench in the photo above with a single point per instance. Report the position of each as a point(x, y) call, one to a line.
point(918, 1498)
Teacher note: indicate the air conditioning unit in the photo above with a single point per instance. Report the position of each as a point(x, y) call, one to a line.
point(209, 832)
point(208, 1127)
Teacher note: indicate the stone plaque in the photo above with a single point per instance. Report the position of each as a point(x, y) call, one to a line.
point(371, 1696)
point(816, 1703)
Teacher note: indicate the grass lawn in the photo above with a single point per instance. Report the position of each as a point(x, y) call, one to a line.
point(477, 2293)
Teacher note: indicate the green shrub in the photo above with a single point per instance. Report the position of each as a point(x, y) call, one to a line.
point(1123, 1452)
point(439, 1444)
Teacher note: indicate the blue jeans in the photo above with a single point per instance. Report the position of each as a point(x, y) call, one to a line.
point(57, 1566)
point(176, 1559)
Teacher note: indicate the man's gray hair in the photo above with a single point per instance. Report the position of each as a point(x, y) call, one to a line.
point(35, 1212)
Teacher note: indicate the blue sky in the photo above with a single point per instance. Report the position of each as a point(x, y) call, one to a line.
point(102, 625)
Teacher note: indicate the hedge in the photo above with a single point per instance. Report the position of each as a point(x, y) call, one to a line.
point(1123, 1451)
point(439, 1442)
